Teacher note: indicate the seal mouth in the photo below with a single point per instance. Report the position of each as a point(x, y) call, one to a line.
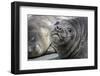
point(58, 38)
point(55, 36)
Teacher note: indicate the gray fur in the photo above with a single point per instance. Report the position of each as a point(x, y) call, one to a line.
point(74, 43)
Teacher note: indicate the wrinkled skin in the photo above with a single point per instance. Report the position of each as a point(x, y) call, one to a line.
point(69, 38)
point(62, 34)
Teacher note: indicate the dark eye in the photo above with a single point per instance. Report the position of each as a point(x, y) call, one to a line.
point(69, 30)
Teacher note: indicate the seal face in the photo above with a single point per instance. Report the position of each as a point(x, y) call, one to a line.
point(69, 37)
point(62, 33)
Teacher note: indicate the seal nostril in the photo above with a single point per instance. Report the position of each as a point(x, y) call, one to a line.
point(58, 28)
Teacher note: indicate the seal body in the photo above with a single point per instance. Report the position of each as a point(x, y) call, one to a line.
point(38, 36)
point(69, 38)
point(39, 30)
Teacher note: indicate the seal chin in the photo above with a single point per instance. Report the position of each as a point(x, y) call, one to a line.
point(59, 40)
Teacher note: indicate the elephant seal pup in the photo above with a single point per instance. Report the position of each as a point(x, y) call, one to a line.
point(39, 28)
point(69, 38)
point(38, 36)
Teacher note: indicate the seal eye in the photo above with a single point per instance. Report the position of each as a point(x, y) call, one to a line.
point(69, 30)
